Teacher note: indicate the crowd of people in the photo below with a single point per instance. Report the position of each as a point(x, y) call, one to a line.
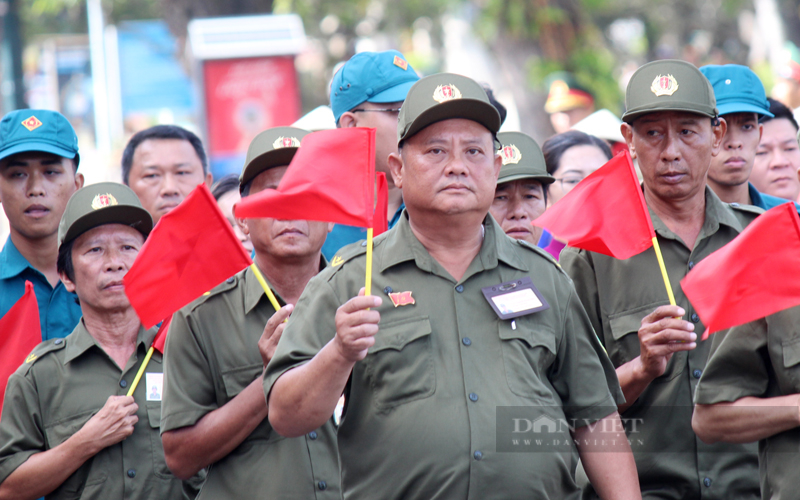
point(491, 360)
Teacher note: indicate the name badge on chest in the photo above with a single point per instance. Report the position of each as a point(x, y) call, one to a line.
point(154, 383)
point(513, 299)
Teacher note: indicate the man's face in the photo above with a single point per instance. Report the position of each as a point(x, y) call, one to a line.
point(385, 125)
point(34, 190)
point(732, 166)
point(448, 168)
point(516, 204)
point(163, 172)
point(283, 239)
point(674, 150)
point(100, 258)
point(777, 160)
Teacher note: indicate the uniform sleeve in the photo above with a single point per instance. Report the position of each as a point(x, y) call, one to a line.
point(582, 367)
point(21, 434)
point(189, 391)
point(311, 326)
point(578, 265)
point(738, 365)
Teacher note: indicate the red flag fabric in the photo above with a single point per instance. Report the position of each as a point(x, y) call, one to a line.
point(192, 249)
point(737, 283)
point(161, 337)
point(605, 213)
point(382, 206)
point(20, 332)
point(331, 178)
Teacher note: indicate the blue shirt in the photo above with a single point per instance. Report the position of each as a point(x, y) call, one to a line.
point(766, 201)
point(59, 311)
point(344, 235)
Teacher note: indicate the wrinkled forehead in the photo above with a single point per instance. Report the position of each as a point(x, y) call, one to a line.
point(109, 232)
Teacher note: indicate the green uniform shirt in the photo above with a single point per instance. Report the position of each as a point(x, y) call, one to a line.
point(52, 396)
point(760, 359)
point(420, 417)
point(211, 356)
point(672, 461)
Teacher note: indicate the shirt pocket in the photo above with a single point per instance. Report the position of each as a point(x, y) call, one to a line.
point(528, 354)
point(625, 345)
point(399, 366)
point(91, 473)
point(156, 447)
point(790, 349)
point(237, 379)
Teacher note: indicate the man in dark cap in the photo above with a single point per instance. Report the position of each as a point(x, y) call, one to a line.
point(455, 340)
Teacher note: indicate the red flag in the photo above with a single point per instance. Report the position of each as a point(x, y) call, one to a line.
point(331, 178)
point(737, 283)
point(191, 250)
point(382, 206)
point(20, 332)
point(604, 213)
point(161, 336)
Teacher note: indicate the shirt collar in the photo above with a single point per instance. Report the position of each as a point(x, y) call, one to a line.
point(12, 263)
point(717, 213)
point(80, 341)
point(755, 196)
point(401, 245)
point(253, 293)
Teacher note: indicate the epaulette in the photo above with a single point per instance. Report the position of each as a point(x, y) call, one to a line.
point(747, 208)
point(347, 253)
point(221, 288)
point(41, 351)
point(542, 252)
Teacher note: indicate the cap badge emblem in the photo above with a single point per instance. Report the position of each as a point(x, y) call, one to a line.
point(446, 93)
point(286, 142)
point(402, 299)
point(103, 200)
point(32, 123)
point(400, 63)
point(664, 85)
point(510, 154)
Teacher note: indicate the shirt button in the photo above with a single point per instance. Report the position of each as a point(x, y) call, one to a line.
point(691, 265)
point(707, 481)
point(123, 383)
point(695, 318)
point(697, 373)
point(363, 243)
point(388, 289)
point(58, 342)
point(460, 288)
point(131, 473)
point(478, 455)
point(322, 485)
point(466, 341)
point(312, 435)
point(473, 397)
point(229, 280)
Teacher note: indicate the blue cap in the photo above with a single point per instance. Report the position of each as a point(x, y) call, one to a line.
point(371, 77)
point(37, 130)
point(737, 89)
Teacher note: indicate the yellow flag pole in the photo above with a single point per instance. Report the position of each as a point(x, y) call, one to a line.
point(368, 282)
point(663, 271)
point(265, 286)
point(141, 371)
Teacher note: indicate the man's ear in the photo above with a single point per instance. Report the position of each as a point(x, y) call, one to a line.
point(348, 119)
point(498, 164)
point(395, 163)
point(68, 284)
point(627, 133)
point(242, 223)
point(79, 180)
point(209, 180)
point(330, 226)
point(719, 132)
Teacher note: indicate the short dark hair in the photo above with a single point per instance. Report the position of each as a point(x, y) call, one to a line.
point(225, 184)
point(161, 132)
point(555, 147)
point(780, 110)
point(64, 262)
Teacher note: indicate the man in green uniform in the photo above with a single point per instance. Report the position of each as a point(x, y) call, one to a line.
point(749, 392)
point(214, 407)
point(68, 430)
point(671, 127)
point(430, 374)
point(521, 193)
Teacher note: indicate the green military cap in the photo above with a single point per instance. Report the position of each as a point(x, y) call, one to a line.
point(441, 97)
point(102, 203)
point(522, 159)
point(273, 147)
point(669, 85)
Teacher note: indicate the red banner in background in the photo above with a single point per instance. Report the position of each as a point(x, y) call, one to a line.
point(246, 96)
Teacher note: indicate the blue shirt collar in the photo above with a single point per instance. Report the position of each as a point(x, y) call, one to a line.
point(12, 263)
point(755, 196)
